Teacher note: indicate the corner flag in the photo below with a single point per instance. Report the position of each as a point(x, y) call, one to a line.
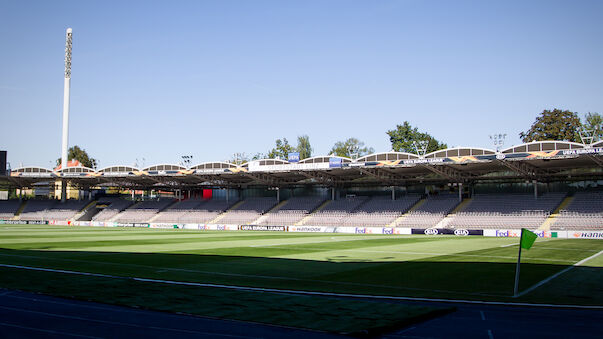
point(527, 238)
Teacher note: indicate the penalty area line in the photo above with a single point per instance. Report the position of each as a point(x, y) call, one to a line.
point(300, 292)
point(540, 283)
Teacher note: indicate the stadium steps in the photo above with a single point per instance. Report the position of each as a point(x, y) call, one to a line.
point(321, 207)
point(444, 222)
point(19, 210)
point(84, 211)
point(413, 208)
point(264, 216)
point(159, 211)
point(546, 225)
point(222, 215)
point(118, 214)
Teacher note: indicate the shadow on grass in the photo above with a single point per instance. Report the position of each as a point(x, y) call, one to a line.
point(429, 279)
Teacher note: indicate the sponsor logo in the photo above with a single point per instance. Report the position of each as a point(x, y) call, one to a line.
point(461, 232)
point(387, 231)
point(305, 229)
point(588, 235)
point(502, 233)
point(262, 228)
point(500, 156)
point(431, 231)
point(359, 230)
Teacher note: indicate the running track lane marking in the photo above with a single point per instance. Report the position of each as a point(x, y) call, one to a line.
point(119, 323)
point(47, 331)
point(557, 274)
point(276, 290)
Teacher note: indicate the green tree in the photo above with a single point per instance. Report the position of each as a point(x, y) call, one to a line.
point(79, 154)
point(281, 149)
point(403, 139)
point(554, 125)
point(351, 146)
point(594, 122)
point(303, 147)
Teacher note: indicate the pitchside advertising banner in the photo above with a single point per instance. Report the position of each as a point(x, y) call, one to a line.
point(460, 232)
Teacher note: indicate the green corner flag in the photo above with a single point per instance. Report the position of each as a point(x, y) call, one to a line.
point(527, 238)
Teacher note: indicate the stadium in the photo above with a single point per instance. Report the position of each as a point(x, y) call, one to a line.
point(457, 242)
point(321, 227)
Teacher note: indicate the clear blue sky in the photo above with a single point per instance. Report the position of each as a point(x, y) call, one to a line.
point(160, 79)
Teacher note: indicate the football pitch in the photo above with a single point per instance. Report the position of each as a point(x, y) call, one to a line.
point(209, 273)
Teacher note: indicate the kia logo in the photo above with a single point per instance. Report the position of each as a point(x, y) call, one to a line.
point(460, 232)
point(431, 231)
point(500, 156)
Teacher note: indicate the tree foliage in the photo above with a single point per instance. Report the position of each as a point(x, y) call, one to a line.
point(79, 154)
point(281, 150)
point(351, 146)
point(554, 125)
point(303, 147)
point(594, 122)
point(403, 139)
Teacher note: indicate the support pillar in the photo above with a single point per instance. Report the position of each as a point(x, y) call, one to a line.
point(535, 183)
point(332, 193)
point(63, 191)
point(278, 195)
point(460, 191)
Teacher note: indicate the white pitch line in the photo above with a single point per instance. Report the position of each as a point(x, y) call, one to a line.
point(557, 274)
point(300, 292)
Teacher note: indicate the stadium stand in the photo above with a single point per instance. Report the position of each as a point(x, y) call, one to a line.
point(114, 206)
point(293, 211)
point(142, 211)
point(51, 209)
point(248, 211)
point(193, 211)
point(585, 212)
point(490, 211)
point(380, 211)
point(8, 208)
point(431, 212)
point(335, 212)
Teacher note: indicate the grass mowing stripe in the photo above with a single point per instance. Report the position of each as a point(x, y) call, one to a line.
point(283, 278)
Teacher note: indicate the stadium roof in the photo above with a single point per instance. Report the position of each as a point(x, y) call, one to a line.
point(544, 161)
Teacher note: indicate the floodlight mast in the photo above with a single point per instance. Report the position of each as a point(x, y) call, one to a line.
point(65, 144)
point(66, 94)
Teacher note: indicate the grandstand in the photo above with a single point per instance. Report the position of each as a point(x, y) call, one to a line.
point(8, 208)
point(193, 211)
point(113, 207)
point(142, 211)
point(248, 210)
point(585, 212)
point(430, 213)
point(506, 211)
point(348, 192)
point(51, 209)
point(293, 211)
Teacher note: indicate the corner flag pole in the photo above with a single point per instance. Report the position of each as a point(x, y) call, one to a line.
point(516, 290)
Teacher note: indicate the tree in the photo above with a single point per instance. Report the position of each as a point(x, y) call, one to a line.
point(403, 139)
point(594, 122)
point(350, 147)
point(76, 153)
point(303, 147)
point(281, 150)
point(554, 125)
point(239, 158)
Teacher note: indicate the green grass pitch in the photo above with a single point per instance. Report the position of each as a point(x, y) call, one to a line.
point(470, 268)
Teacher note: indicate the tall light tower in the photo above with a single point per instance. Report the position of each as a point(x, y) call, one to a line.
point(65, 144)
